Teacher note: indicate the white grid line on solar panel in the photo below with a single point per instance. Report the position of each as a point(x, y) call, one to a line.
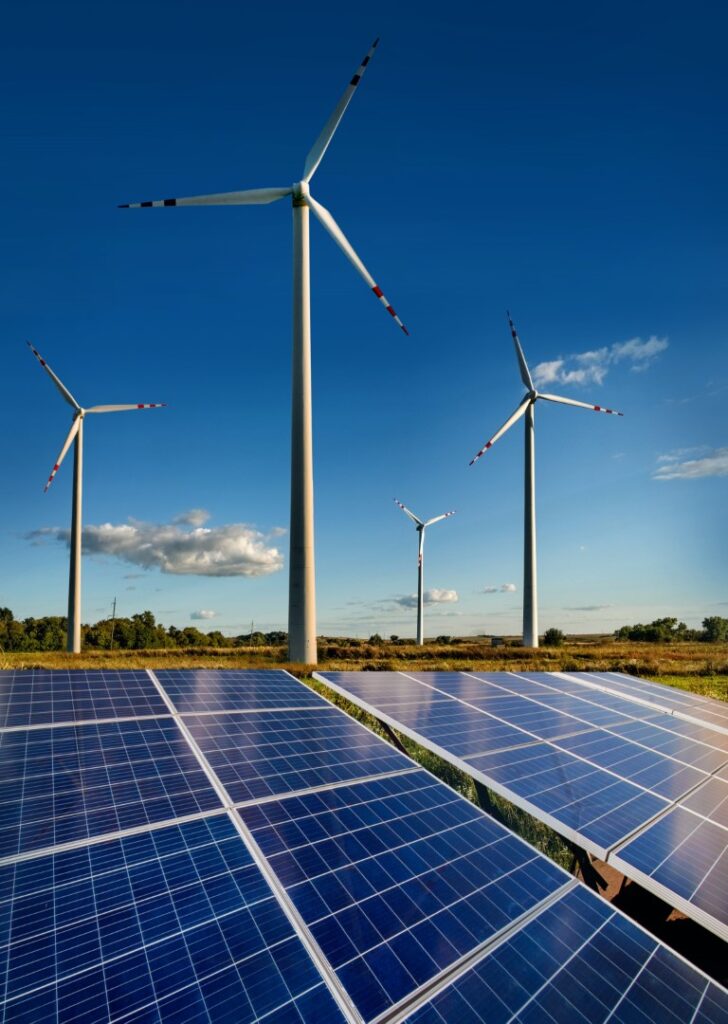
point(276, 753)
point(64, 784)
point(398, 879)
point(578, 960)
point(605, 827)
point(30, 697)
point(693, 754)
point(192, 691)
point(84, 721)
point(656, 695)
point(646, 769)
point(659, 722)
point(154, 922)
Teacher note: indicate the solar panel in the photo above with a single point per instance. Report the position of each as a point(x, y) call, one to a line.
point(348, 884)
point(68, 783)
point(621, 791)
point(398, 879)
point(276, 752)
point(202, 690)
point(692, 706)
point(41, 697)
point(175, 924)
point(577, 961)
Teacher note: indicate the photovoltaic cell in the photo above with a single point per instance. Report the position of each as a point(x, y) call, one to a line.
point(39, 697)
point(578, 961)
point(176, 924)
point(65, 784)
point(397, 879)
point(200, 690)
point(275, 752)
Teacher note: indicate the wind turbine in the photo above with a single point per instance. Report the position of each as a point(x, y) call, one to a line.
point(421, 527)
point(75, 434)
point(526, 407)
point(302, 582)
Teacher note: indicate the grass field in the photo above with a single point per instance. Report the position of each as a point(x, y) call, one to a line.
point(700, 667)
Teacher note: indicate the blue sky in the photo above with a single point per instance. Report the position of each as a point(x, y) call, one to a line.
point(564, 162)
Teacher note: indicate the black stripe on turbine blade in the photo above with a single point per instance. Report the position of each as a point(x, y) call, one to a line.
point(146, 204)
point(170, 202)
point(123, 206)
point(355, 80)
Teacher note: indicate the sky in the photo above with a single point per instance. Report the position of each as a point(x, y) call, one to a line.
point(566, 162)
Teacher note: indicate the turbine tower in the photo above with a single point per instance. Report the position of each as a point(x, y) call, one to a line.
point(75, 436)
point(526, 407)
point(302, 583)
point(421, 527)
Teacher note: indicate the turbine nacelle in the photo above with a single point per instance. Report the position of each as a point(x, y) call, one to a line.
point(300, 191)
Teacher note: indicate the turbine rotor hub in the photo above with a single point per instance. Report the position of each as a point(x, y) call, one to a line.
point(300, 191)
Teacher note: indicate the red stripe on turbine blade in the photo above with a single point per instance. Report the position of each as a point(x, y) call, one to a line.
point(597, 408)
point(378, 291)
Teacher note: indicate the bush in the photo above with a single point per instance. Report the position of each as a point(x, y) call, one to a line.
point(553, 638)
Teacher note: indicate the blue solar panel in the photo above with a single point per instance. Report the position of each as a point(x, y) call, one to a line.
point(397, 879)
point(690, 705)
point(200, 690)
point(40, 697)
point(175, 924)
point(577, 799)
point(63, 784)
point(578, 961)
point(275, 752)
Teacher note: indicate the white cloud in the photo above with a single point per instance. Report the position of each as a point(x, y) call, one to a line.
point(434, 596)
point(233, 550)
point(203, 613)
point(192, 517)
point(591, 367)
point(675, 466)
point(504, 588)
point(586, 607)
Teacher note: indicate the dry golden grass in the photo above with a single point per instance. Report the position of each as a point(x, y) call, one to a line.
point(697, 666)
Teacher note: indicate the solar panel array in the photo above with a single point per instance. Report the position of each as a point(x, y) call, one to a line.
point(227, 846)
point(645, 789)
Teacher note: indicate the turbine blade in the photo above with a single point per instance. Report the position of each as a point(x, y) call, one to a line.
point(437, 519)
point(522, 364)
point(407, 512)
point(341, 240)
point(56, 380)
point(251, 197)
point(582, 405)
point(327, 132)
point(124, 408)
point(66, 445)
point(506, 426)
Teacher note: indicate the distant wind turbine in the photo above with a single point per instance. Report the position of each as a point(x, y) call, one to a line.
point(75, 434)
point(302, 581)
point(530, 594)
point(421, 527)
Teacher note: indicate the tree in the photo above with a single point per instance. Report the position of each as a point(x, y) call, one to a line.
point(715, 629)
point(553, 638)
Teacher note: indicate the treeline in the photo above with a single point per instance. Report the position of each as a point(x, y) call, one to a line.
point(715, 630)
point(140, 632)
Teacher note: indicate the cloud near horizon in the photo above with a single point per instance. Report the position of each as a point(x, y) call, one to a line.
point(504, 588)
point(675, 465)
point(592, 367)
point(233, 550)
point(434, 596)
point(203, 613)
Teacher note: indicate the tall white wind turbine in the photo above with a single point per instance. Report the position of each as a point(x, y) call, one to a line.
point(75, 437)
point(302, 582)
point(421, 526)
point(526, 407)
